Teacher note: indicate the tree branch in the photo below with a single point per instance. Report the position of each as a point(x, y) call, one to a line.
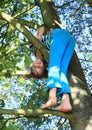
point(26, 10)
point(31, 38)
point(89, 2)
point(18, 73)
point(28, 24)
point(24, 22)
point(37, 112)
point(47, 8)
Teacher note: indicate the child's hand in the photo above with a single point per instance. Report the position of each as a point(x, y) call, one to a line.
point(40, 33)
point(39, 37)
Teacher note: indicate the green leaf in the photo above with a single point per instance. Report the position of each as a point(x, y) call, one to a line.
point(5, 86)
point(12, 127)
point(21, 81)
point(27, 61)
point(90, 57)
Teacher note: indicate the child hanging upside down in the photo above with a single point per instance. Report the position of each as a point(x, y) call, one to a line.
point(62, 46)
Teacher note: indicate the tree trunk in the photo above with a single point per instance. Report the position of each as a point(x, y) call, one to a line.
point(82, 105)
point(89, 2)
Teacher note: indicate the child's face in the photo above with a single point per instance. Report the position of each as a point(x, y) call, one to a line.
point(38, 67)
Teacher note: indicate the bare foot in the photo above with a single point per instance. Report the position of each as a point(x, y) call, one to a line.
point(52, 99)
point(65, 106)
point(50, 103)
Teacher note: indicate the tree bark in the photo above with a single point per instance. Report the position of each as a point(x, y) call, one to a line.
point(35, 113)
point(89, 2)
point(82, 105)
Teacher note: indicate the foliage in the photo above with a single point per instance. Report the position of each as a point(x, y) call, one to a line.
point(16, 54)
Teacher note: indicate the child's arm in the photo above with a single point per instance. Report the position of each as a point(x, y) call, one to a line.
point(38, 54)
point(40, 33)
point(39, 37)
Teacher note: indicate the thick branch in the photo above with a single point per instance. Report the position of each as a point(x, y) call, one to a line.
point(89, 2)
point(28, 24)
point(18, 73)
point(48, 9)
point(31, 38)
point(37, 112)
point(20, 27)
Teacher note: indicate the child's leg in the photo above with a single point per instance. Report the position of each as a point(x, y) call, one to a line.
point(65, 105)
point(64, 67)
point(52, 98)
point(59, 41)
point(57, 48)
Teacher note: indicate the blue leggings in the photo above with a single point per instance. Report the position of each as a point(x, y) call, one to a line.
point(62, 46)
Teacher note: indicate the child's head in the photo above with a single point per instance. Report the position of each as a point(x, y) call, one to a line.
point(38, 69)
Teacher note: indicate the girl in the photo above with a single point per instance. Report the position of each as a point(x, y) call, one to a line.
point(61, 50)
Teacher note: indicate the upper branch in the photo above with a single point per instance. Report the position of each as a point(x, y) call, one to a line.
point(31, 38)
